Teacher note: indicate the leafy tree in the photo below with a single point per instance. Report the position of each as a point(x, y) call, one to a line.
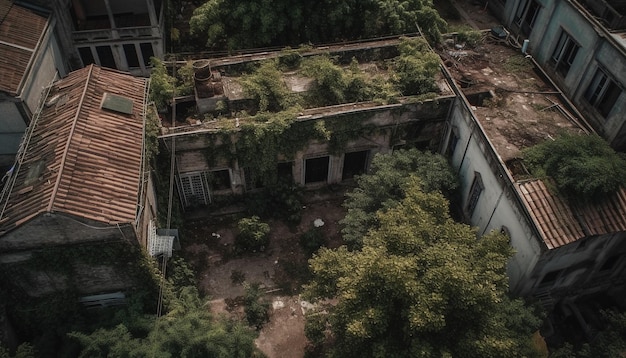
point(187, 330)
point(253, 234)
point(24, 350)
point(253, 23)
point(384, 187)
point(422, 286)
point(581, 165)
point(256, 308)
point(609, 342)
point(162, 84)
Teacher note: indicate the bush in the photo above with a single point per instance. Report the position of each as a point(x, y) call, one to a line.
point(256, 309)
point(582, 166)
point(312, 240)
point(282, 201)
point(253, 234)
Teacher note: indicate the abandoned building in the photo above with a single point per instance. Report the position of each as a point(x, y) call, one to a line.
point(29, 61)
point(111, 33)
point(79, 199)
point(42, 40)
point(489, 106)
point(581, 45)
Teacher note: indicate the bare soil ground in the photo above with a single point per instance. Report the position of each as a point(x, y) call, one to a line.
point(280, 269)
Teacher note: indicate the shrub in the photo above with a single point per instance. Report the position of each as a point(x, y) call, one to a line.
point(281, 201)
point(312, 240)
point(253, 234)
point(256, 309)
point(582, 166)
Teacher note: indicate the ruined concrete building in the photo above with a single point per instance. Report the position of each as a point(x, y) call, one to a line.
point(492, 102)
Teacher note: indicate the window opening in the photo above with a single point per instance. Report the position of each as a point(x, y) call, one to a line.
point(526, 15)
point(564, 54)
point(316, 170)
point(146, 52)
point(475, 191)
point(86, 55)
point(453, 141)
point(603, 93)
point(131, 55)
point(219, 180)
point(252, 180)
point(354, 163)
point(105, 54)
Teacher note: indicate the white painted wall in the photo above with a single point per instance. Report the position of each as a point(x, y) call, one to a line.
point(497, 204)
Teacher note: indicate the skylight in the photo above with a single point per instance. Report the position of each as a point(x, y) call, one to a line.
point(117, 103)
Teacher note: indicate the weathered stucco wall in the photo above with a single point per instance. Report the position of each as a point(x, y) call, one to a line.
point(497, 205)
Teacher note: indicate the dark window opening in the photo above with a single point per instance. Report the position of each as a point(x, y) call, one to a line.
point(475, 191)
point(131, 55)
point(603, 93)
point(564, 54)
point(86, 56)
point(219, 179)
point(106, 56)
point(526, 15)
point(354, 163)
point(316, 170)
point(146, 52)
point(253, 181)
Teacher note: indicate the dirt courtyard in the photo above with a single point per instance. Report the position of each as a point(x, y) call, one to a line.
point(280, 270)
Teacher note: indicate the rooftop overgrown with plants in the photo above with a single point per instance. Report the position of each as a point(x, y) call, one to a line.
point(582, 167)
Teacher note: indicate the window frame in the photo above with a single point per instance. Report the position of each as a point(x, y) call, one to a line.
point(474, 194)
point(602, 84)
point(522, 18)
point(564, 53)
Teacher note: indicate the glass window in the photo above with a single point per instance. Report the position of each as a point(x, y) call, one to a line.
point(602, 93)
point(526, 15)
point(474, 194)
point(564, 54)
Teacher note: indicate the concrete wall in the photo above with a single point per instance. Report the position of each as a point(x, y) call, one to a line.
point(59, 229)
point(598, 49)
point(497, 206)
point(430, 116)
point(12, 126)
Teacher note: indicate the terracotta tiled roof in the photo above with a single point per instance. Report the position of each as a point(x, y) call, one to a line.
point(561, 223)
point(82, 159)
point(20, 32)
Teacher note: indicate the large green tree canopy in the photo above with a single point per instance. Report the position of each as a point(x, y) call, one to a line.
point(422, 285)
point(385, 186)
point(254, 23)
